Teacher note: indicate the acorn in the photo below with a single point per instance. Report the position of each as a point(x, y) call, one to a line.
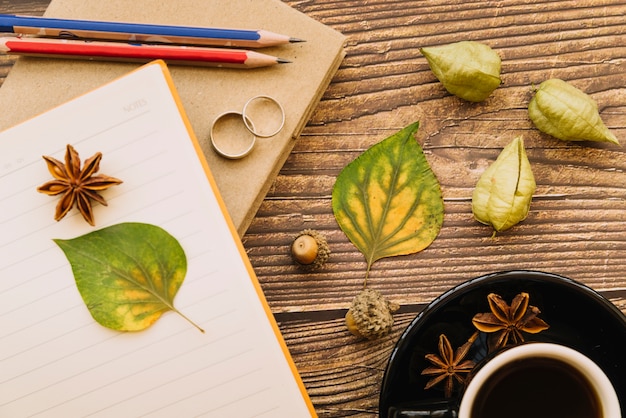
point(371, 315)
point(310, 250)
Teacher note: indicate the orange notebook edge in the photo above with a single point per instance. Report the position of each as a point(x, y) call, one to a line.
point(235, 235)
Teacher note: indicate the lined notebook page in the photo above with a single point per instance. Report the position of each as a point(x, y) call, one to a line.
point(55, 359)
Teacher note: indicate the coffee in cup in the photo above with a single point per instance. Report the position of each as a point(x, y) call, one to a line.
point(540, 380)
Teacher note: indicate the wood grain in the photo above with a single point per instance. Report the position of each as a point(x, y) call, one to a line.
point(577, 223)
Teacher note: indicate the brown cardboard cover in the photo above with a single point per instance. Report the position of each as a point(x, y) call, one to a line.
point(36, 85)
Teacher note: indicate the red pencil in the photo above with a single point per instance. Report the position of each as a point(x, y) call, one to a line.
point(113, 51)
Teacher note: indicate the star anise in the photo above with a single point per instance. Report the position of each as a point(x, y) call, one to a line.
point(78, 186)
point(507, 323)
point(449, 365)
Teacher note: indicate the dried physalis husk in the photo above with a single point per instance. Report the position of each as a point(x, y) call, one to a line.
point(370, 315)
point(467, 69)
point(504, 191)
point(563, 111)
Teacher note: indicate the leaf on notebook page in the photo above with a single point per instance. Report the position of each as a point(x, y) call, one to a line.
point(388, 201)
point(127, 274)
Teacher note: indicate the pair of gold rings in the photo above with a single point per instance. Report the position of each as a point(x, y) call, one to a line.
point(233, 134)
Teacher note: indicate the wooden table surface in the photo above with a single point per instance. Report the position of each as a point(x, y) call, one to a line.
point(577, 221)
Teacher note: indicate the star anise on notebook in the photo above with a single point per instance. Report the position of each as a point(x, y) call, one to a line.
point(506, 323)
point(77, 186)
point(449, 367)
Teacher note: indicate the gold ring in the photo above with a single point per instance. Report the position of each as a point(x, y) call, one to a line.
point(229, 125)
point(273, 117)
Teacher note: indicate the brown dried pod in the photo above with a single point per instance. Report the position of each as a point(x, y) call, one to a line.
point(370, 315)
point(78, 185)
point(310, 249)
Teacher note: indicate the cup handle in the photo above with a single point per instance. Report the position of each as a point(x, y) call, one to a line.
point(435, 409)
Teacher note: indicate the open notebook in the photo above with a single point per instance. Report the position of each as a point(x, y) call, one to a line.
point(55, 359)
point(36, 84)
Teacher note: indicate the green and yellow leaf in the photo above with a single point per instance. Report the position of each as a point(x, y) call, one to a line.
point(388, 201)
point(127, 274)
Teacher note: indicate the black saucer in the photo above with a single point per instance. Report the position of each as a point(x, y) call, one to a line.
point(578, 317)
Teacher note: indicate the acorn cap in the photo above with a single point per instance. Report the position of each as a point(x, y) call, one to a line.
point(370, 315)
point(310, 250)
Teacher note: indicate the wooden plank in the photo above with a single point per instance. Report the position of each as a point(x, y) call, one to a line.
point(577, 223)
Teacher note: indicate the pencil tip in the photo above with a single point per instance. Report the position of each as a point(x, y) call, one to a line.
point(282, 61)
point(294, 40)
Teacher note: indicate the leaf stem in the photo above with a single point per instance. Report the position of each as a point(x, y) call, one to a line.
point(187, 319)
point(367, 274)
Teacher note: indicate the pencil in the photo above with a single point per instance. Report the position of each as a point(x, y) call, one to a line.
point(116, 51)
point(138, 32)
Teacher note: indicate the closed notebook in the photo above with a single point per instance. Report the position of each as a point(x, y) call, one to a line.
point(56, 359)
point(35, 85)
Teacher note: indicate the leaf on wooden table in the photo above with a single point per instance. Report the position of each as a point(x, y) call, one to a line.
point(388, 201)
point(127, 274)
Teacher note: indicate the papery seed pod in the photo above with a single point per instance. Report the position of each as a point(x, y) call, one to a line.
point(468, 69)
point(563, 111)
point(504, 191)
point(370, 315)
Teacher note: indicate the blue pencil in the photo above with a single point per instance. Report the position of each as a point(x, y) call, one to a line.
point(138, 32)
